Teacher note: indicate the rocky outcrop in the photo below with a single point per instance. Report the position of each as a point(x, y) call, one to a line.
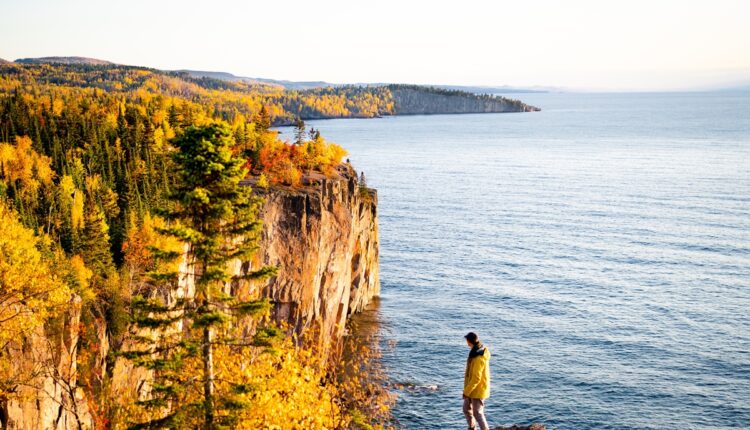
point(416, 100)
point(324, 239)
point(48, 398)
point(535, 426)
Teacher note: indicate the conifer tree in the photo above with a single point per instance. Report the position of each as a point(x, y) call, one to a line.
point(299, 132)
point(217, 219)
point(263, 119)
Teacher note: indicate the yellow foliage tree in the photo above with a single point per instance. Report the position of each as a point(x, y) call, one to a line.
point(283, 387)
point(285, 390)
point(139, 259)
point(30, 290)
point(26, 171)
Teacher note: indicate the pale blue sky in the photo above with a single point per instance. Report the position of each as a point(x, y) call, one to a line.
point(580, 44)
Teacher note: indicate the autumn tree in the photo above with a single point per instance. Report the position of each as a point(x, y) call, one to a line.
point(217, 219)
point(29, 289)
point(31, 293)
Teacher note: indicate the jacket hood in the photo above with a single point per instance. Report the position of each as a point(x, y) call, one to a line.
point(477, 350)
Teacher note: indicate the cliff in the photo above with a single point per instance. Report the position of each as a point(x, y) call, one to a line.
point(49, 399)
point(417, 100)
point(324, 239)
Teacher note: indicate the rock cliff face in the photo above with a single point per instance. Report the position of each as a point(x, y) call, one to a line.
point(48, 399)
point(412, 100)
point(324, 238)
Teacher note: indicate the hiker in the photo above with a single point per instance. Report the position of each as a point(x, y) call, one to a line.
point(476, 382)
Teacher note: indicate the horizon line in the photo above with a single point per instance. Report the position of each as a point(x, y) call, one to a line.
point(737, 85)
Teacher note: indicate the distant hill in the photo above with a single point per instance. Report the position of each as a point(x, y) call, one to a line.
point(289, 85)
point(503, 89)
point(62, 60)
point(224, 76)
point(286, 84)
point(306, 85)
point(477, 89)
point(741, 87)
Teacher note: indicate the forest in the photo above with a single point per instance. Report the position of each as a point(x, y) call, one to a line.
point(108, 176)
point(232, 101)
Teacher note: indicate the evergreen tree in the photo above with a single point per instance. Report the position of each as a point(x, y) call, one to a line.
point(174, 116)
point(94, 244)
point(217, 219)
point(299, 132)
point(263, 119)
point(314, 134)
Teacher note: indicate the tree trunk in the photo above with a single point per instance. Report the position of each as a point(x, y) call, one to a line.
point(4, 412)
point(208, 377)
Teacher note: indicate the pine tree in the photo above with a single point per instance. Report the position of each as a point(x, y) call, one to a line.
point(174, 116)
point(299, 132)
point(263, 119)
point(217, 219)
point(94, 245)
point(314, 134)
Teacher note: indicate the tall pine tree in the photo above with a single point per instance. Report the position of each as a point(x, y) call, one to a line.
point(216, 218)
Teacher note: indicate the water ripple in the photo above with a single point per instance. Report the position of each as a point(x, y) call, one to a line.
point(601, 248)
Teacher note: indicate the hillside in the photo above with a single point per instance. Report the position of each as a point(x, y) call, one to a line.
point(233, 100)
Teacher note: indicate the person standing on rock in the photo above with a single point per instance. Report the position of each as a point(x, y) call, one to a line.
point(476, 382)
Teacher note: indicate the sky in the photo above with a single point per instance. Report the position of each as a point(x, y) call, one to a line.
point(631, 45)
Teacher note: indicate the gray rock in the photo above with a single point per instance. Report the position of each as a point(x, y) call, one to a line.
point(535, 426)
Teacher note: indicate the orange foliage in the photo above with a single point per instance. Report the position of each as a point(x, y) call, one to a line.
point(283, 163)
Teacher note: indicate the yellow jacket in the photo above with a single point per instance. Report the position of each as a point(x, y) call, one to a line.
point(477, 377)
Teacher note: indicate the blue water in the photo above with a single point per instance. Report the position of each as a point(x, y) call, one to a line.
point(600, 247)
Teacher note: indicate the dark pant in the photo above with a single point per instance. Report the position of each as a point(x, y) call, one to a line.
point(474, 412)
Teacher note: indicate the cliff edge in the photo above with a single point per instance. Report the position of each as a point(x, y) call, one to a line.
point(324, 239)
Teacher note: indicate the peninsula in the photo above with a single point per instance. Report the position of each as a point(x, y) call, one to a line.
point(279, 102)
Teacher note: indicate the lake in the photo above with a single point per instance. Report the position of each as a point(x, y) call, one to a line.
point(600, 248)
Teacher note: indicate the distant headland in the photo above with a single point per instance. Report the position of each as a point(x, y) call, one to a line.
point(278, 102)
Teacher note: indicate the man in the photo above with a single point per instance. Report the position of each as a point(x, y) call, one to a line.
point(476, 382)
